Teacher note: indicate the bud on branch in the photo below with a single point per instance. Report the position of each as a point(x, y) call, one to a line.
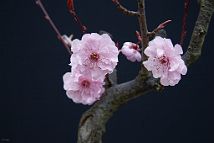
point(70, 5)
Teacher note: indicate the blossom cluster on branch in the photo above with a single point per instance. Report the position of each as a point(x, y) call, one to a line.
point(95, 56)
point(165, 61)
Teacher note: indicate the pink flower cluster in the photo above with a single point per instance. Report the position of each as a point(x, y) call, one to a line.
point(93, 57)
point(164, 60)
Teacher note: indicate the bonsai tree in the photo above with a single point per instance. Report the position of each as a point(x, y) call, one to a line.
point(93, 77)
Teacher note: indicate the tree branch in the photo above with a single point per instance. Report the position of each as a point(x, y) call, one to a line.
point(124, 10)
point(70, 5)
point(144, 34)
point(200, 30)
point(143, 25)
point(47, 17)
point(92, 124)
point(93, 121)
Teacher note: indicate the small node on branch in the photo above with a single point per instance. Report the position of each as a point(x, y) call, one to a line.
point(160, 27)
point(124, 10)
point(47, 17)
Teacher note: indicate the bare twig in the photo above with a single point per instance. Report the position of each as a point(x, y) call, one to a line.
point(143, 25)
point(124, 10)
point(160, 26)
point(70, 5)
point(143, 34)
point(184, 21)
point(77, 19)
point(47, 17)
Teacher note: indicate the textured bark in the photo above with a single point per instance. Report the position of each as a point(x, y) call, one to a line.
point(200, 30)
point(92, 124)
point(93, 121)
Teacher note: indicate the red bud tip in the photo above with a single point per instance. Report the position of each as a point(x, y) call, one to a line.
point(162, 25)
point(70, 5)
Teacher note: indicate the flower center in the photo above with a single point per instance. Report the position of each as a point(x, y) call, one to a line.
point(135, 47)
point(164, 60)
point(94, 57)
point(85, 83)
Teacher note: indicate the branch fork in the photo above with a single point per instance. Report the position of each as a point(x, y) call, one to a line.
point(124, 10)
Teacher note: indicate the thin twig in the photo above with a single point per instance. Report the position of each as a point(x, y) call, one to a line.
point(143, 34)
point(47, 17)
point(70, 5)
point(124, 10)
point(160, 26)
point(83, 28)
point(184, 21)
point(143, 24)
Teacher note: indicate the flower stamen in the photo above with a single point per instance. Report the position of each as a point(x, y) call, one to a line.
point(85, 83)
point(94, 57)
point(164, 60)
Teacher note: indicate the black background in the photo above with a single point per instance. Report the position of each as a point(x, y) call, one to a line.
point(34, 107)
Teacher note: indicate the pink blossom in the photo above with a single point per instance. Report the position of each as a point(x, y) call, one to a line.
point(165, 61)
point(95, 51)
point(81, 87)
point(131, 51)
point(93, 57)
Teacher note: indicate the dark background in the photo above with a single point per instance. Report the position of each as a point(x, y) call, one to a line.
point(34, 107)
